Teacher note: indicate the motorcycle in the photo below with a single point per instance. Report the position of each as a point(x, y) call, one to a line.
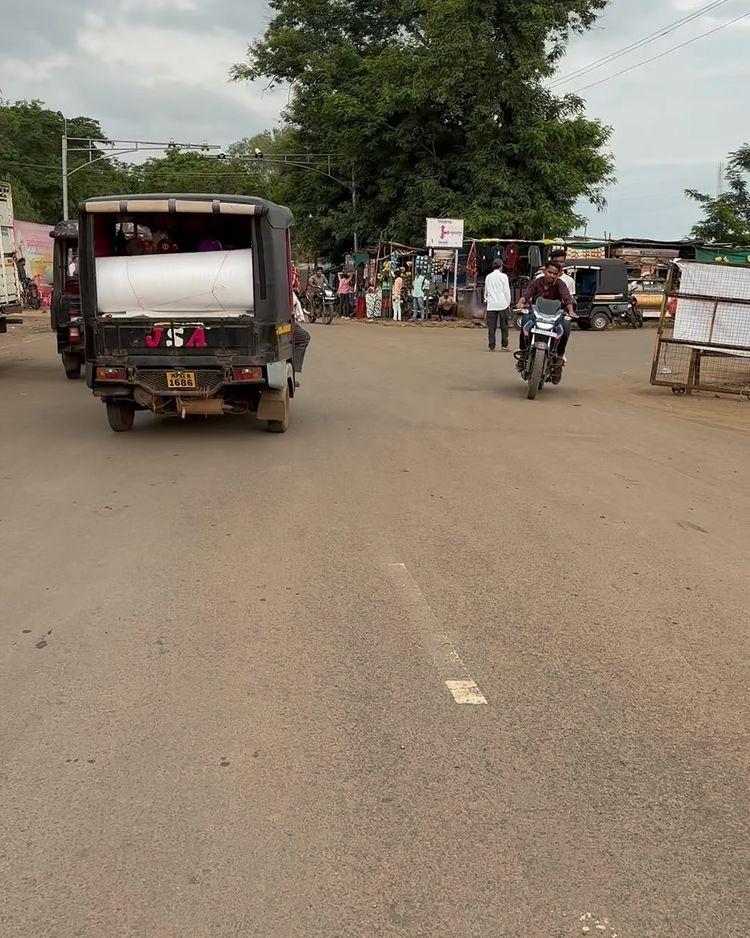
point(322, 306)
point(431, 305)
point(541, 362)
point(633, 316)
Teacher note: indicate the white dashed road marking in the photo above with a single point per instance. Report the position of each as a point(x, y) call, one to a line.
point(453, 671)
point(466, 692)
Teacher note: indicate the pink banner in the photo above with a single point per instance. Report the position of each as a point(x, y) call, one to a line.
point(34, 244)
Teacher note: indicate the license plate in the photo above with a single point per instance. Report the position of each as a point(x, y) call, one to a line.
point(181, 379)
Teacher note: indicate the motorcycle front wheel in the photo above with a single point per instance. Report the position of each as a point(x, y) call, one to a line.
point(536, 375)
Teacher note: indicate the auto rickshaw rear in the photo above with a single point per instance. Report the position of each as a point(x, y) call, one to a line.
point(187, 304)
point(65, 311)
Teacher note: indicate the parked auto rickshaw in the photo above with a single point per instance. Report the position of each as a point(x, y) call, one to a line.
point(602, 292)
point(65, 312)
point(187, 306)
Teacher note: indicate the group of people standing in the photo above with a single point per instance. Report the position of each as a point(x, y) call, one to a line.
point(418, 296)
point(404, 299)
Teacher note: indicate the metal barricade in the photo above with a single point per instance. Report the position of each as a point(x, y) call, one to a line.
point(703, 342)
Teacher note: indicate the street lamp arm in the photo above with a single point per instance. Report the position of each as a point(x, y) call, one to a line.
point(104, 156)
point(312, 169)
point(351, 186)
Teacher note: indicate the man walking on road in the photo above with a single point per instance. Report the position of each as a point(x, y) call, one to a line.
point(497, 297)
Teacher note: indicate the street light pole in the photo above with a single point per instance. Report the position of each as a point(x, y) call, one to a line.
point(64, 155)
point(354, 206)
point(64, 165)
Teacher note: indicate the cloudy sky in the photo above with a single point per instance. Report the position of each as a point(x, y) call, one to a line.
point(157, 69)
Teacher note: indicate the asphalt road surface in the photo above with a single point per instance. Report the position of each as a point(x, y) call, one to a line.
point(440, 661)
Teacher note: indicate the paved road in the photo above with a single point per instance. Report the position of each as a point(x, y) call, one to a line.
point(224, 654)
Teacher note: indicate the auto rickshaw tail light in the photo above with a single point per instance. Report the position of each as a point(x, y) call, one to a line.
point(111, 374)
point(247, 374)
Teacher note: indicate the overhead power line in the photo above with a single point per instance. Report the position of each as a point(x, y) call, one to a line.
point(661, 55)
point(638, 43)
point(28, 165)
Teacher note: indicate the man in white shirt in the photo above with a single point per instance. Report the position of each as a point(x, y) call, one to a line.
point(498, 299)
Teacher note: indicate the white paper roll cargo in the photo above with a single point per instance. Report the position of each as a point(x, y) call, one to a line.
point(211, 282)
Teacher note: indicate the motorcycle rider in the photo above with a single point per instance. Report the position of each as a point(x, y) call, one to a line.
point(315, 286)
point(558, 257)
point(548, 287)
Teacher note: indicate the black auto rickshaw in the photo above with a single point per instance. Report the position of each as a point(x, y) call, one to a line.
point(602, 291)
point(65, 312)
point(187, 305)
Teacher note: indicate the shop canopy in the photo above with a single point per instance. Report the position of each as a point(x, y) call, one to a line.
point(739, 257)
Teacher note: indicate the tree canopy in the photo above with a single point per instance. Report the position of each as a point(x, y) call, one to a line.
point(439, 107)
point(726, 218)
point(30, 160)
point(30, 136)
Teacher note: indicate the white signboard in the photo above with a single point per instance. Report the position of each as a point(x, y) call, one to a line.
point(445, 232)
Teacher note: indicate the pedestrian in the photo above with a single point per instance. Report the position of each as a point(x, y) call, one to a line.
point(23, 275)
point(398, 286)
point(300, 339)
point(417, 296)
point(344, 294)
point(497, 297)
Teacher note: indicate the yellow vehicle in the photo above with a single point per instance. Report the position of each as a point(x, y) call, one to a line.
point(650, 295)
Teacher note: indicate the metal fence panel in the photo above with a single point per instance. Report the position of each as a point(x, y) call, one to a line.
point(703, 340)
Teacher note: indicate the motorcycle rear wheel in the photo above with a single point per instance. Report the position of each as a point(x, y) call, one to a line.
point(536, 375)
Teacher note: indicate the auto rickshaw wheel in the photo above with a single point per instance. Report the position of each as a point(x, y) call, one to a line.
point(120, 415)
point(599, 322)
point(72, 365)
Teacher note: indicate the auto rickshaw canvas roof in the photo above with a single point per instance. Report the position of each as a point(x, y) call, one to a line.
point(278, 216)
point(614, 278)
point(67, 230)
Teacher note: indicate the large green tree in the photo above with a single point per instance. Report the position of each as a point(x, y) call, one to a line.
point(726, 218)
point(30, 158)
point(438, 107)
